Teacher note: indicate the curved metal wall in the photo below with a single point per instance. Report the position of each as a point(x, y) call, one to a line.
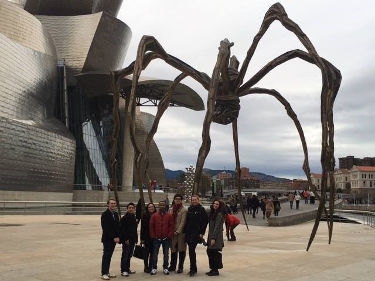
point(72, 7)
point(36, 151)
point(27, 81)
point(156, 166)
point(33, 158)
point(89, 42)
point(23, 28)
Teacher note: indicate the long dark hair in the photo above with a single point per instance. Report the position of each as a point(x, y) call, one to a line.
point(147, 212)
point(213, 212)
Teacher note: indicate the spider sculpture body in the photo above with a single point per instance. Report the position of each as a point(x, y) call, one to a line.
point(225, 88)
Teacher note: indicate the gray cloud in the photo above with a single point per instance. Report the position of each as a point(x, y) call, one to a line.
point(268, 139)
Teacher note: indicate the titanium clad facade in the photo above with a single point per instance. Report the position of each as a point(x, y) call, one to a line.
point(156, 166)
point(33, 158)
point(23, 28)
point(36, 150)
point(71, 7)
point(88, 42)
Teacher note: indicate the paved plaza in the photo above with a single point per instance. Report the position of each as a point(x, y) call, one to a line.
point(62, 248)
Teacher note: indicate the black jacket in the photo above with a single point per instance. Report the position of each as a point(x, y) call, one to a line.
point(196, 223)
point(110, 226)
point(128, 228)
point(145, 230)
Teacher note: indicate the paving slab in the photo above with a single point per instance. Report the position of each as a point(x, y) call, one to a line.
point(56, 248)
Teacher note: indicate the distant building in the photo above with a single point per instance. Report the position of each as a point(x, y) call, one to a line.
point(349, 161)
point(362, 177)
point(276, 185)
point(299, 184)
point(224, 175)
point(342, 179)
point(245, 173)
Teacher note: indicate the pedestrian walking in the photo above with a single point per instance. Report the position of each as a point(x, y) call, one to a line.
point(195, 227)
point(297, 198)
point(178, 247)
point(248, 204)
point(161, 232)
point(215, 239)
point(269, 207)
point(254, 205)
point(263, 207)
point(146, 240)
point(291, 200)
point(312, 198)
point(276, 205)
point(306, 196)
point(128, 239)
point(110, 236)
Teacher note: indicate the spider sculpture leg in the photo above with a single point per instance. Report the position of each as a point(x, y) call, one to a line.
point(162, 107)
point(222, 60)
point(277, 12)
point(335, 77)
point(238, 168)
point(149, 49)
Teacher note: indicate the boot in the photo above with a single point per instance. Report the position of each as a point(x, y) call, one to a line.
point(173, 263)
point(181, 260)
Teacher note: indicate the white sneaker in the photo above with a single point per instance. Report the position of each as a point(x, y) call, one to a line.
point(126, 274)
point(153, 271)
point(166, 272)
point(111, 275)
point(105, 277)
point(131, 271)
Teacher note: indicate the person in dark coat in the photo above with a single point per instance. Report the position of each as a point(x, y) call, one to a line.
point(145, 237)
point(254, 204)
point(128, 238)
point(276, 205)
point(110, 236)
point(215, 240)
point(263, 207)
point(195, 227)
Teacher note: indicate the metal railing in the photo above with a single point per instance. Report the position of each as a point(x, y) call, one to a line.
point(365, 217)
point(51, 207)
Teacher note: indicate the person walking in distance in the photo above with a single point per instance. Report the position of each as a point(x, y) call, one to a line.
point(215, 241)
point(110, 236)
point(178, 247)
point(269, 207)
point(263, 207)
point(195, 227)
point(128, 238)
point(297, 198)
point(291, 200)
point(161, 233)
point(146, 240)
point(276, 205)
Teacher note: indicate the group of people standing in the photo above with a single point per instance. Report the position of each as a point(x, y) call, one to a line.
point(173, 230)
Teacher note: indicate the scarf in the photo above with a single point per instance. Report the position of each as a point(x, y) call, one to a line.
point(175, 208)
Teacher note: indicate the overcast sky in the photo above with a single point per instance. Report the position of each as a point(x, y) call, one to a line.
point(342, 32)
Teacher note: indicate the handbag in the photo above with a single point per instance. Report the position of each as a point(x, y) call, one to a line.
point(139, 251)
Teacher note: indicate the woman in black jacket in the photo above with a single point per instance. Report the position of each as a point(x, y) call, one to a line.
point(145, 237)
point(195, 227)
point(128, 238)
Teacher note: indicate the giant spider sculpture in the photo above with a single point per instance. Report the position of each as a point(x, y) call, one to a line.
point(225, 87)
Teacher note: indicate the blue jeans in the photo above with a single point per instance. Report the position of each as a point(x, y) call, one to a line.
point(166, 244)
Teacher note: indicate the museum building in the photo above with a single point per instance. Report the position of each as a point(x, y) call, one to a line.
point(55, 97)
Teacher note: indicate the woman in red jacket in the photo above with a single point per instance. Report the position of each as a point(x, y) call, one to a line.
point(231, 222)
